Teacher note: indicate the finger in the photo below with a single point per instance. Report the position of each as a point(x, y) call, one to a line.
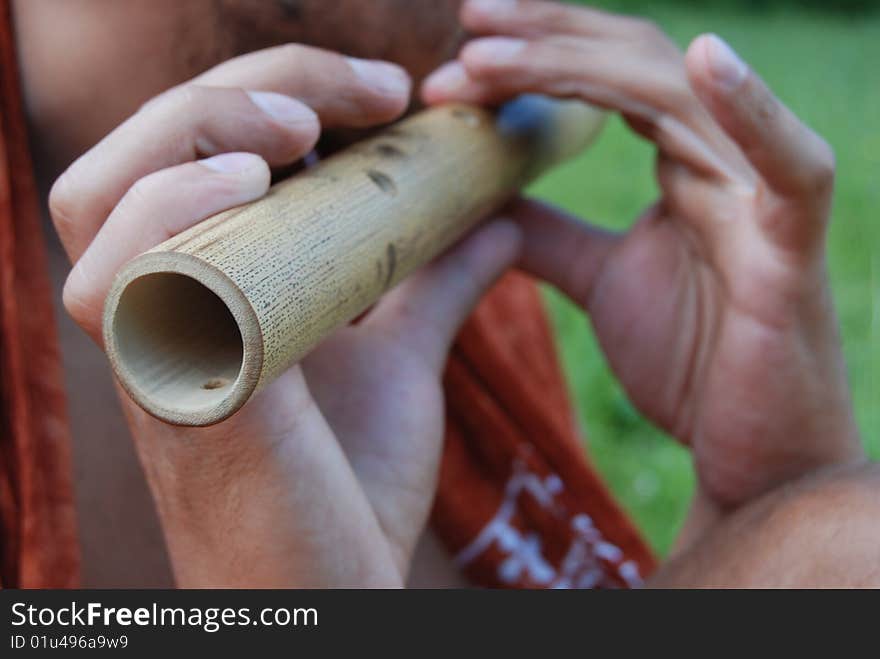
point(427, 309)
point(791, 158)
point(497, 68)
point(700, 201)
point(179, 126)
point(525, 18)
point(344, 91)
point(451, 82)
point(560, 248)
point(618, 78)
point(157, 207)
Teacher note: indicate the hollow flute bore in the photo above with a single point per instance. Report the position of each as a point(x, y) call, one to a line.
point(198, 324)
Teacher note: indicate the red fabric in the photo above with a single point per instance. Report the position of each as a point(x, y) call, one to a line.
point(38, 543)
point(519, 505)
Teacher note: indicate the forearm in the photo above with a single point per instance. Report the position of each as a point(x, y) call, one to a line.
point(790, 537)
point(706, 512)
point(240, 511)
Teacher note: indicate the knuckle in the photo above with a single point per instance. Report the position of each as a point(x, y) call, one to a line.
point(141, 191)
point(477, 62)
point(552, 14)
point(140, 195)
point(295, 52)
point(158, 100)
point(553, 17)
point(824, 167)
point(182, 98)
point(208, 188)
point(62, 198)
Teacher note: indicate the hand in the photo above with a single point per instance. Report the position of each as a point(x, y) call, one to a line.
point(326, 476)
point(714, 309)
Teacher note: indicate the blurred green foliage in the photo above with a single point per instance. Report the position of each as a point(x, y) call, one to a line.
point(824, 66)
point(851, 7)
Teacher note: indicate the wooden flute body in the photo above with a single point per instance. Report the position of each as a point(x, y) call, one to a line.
point(198, 324)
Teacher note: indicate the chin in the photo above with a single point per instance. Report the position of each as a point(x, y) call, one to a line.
point(417, 35)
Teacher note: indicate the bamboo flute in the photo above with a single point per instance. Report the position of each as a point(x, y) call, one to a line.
point(198, 324)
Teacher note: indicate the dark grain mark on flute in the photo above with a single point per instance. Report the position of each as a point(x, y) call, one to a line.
point(382, 181)
point(389, 150)
point(391, 253)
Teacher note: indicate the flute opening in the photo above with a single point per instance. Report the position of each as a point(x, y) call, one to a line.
point(177, 342)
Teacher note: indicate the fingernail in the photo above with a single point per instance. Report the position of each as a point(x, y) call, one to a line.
point(490, 6)
point(231, 163)
point(495, 50)
point(385, 77)
point(726, 67)
point(447, 79)
point(282, 108)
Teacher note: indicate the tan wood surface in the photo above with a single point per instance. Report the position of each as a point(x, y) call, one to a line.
point(196, 325)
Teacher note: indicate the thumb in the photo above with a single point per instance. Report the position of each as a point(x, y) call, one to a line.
point(426, 310)
point(793, 161)
point(561, 249)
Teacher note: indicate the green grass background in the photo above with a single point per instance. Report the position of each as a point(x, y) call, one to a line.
point(825, 67)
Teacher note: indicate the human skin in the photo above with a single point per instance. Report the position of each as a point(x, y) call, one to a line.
point(749, 456)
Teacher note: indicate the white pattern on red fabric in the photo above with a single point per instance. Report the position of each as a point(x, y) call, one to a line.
point(591, 561)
